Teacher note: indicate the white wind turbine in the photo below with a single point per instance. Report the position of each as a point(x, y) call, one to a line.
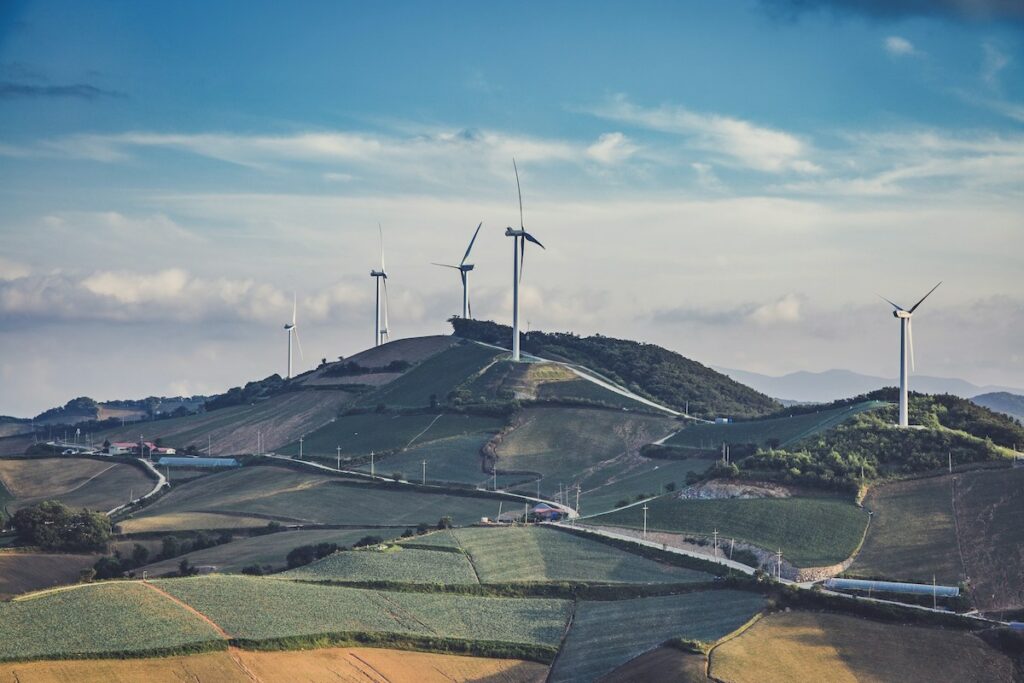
point(292, 329)
point(906, 343)
point(464, 268)
point(380, 334)
point(519, 239)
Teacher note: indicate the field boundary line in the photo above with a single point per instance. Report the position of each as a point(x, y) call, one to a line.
point(561, 642)
point(743, 628)
point(189, 608)
point(425, 430)
point(469, 557)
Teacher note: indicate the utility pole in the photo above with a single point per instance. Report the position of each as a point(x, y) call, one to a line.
point(494, 478)
point(645, 521)
point(951, 462)
point(499, 511)
point(716, 542)
point(209, 445)
point(778, 564)
point(424, 481)
point(935, 598)
point(577, 499)
point(371, 464)
point(300, 447)
point(732, 544)
point(339, 459)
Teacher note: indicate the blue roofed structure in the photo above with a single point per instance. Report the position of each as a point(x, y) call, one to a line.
point(893, 587)
point(197, 462)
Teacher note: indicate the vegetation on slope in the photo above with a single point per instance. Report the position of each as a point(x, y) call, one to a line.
point(51, 525)
point(645, 369)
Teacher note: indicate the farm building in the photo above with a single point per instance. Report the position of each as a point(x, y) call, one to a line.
point(204, 463)
point(547, 512)
point(893, 587)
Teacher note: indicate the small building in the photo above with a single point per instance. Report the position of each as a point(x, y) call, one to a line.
point(722, 420)
point(123, 448)
point(546, 512)
point(202, 463)
point(162, 450)
point(893, 587)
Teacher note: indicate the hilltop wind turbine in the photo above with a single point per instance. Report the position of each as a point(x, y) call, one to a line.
point(906, 343)
point(519, 239)
point(292, 329)
point(464, 268)
point(380, 334)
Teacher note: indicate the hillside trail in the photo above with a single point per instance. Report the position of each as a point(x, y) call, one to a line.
point(232, 651)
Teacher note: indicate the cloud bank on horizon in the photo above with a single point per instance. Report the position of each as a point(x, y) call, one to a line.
point(734, 183)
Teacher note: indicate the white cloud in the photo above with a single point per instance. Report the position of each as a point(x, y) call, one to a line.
point(741, 142)
point(995, 61)
point(899, 46)
point(784, 310)
point(11, 270)
point(611, 148)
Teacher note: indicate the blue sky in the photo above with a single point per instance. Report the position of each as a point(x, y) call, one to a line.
point(733, 180)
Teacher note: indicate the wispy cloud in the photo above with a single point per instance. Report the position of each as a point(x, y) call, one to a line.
point(899, 46)
point(611, 148)
point(962, 10)
point(739, 142)
point(83, 91)
point(994, 62)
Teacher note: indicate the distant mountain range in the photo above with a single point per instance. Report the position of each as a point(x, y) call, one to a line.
point(1003, 402)
point(821, 387)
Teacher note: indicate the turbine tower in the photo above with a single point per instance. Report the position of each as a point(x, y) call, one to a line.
point(380, 334)
point(519, 239)
point(464, 268)
point(906, 345)
point(292, 329)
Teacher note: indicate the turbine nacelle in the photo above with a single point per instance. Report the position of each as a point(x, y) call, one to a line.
point(900, 314)
point(289, 326)
point(378, 273)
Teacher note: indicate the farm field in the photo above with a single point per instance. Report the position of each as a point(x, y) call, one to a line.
point(661, 665)
point(454, 459)
point(990, 516)
point(269, 549)
point(805, 646)
point(912, 534)
point(647, 476)
point(783, 430)
point(566, 445)
point(515, 554)
point(270, 492)
point(361, 433)
point(102, 618)
point(811, 531)
point(77, 482)
point(434, 378)
point(24, 572)
point(606, 635)
point(589, 391)
point(398, 564)
point(265, 608)
point(279, 420)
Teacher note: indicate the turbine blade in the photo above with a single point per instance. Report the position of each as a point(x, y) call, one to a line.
point(519, 190)
point(462, 274)
point(914, 307)
point(445, 265)
point(910, 341)
point(469, 305)
point(470, 247)
point(894, 305)
point(295, 306)
point(380, 231)
point(522, 257)
point(387, 330)
point(532, 239)
point(298, 343)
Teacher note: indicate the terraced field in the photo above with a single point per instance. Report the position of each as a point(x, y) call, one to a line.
point(453, 459)
point(255, 495)
point(24, 572)
point(912, 534)
point(804, 646)
point(434, 378)
point(606, 635)
point(811, 531)
point(517, 554)
point(360, 434)
point(100, 619)
point(77, 482)
point(398, 564)
point(781, 431)
point(262, 608)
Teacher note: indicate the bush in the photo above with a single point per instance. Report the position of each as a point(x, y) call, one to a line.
point(51, 525)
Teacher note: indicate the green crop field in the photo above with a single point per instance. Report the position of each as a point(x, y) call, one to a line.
point(434, 378)
point(912, 534)
point(605, 635)
point(77, 482)
point(102, 619)
point(402, 565)
point(805, 646)
point(454, 459)
point(21, 572)
point(811, 531)
point(637, 476)
point(515, 554)
point(783, 430)
point(265, 608)
point(269, 549)
point(990, 516)
point(588, 391)
point(306, 498)
point(436, 539)
point(561, 443)
point(359, 434)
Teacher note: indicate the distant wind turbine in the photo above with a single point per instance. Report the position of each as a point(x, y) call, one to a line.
point(906, 343)
point(292, 329)
point(519, 239)
point(464, 268)
point(380, 334)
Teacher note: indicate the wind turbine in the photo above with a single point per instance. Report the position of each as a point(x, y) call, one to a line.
point(519, 239)
point(464, 268)
point(292, 329)
point(906, 343)
point(380, 334)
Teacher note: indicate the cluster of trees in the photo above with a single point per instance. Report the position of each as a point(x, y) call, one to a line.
point(113, 566)
point(349, 368)
point(51, 525)
point(645, 369)
point(252, 391)
point(117, 564)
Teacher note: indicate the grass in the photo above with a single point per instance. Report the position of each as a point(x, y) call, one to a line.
point(271, 549)
point(432, 380)
point(77, 482)
point(561, 443)
point(360, 434)
point(811, 531)
point(804, 646)
point(781, 430)
point(453, 459)
point(24, 572)
point(605, 635)
point(268, 492)
point(912, 534)
point(99, 620)
point(990, 516)
point(262, 609)
point(398, 564)
point(640, 476)
point(444, 539)
point(517, 554)
point(586, 390)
